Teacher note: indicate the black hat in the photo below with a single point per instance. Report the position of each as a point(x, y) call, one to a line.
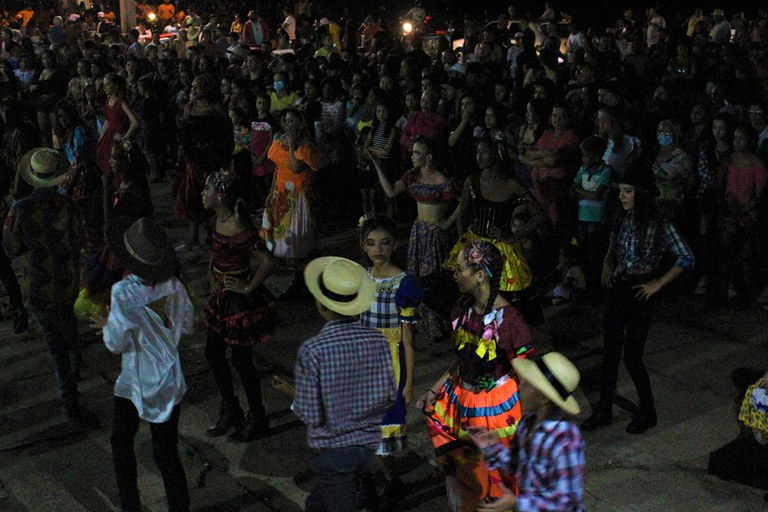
point(143, 249)
point(640, 178)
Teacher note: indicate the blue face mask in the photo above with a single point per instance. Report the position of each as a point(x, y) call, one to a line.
point(279, 85)
point(664, 139)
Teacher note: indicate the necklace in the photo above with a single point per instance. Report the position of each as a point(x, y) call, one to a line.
point(225, 219)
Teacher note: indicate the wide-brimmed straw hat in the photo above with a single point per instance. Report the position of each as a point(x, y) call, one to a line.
point(340, 284)
point(42, 167)
point(143, 248)
point(555, 376)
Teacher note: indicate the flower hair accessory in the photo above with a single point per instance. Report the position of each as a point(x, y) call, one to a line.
point(475, 256)
point(362, 220)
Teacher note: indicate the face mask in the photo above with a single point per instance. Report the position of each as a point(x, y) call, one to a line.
point(664, 139)
point(279, 85)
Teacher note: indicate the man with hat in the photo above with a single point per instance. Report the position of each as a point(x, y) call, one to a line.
point(150, 310)
point(344, 383)
point(721, 30)
point(47, 228)
point(547, 453)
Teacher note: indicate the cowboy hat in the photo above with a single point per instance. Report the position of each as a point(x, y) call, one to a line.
point(718, 12)
point(143, 248)
point(340, 285)
point(555, 376)
point(193, 32)
point(42, 167)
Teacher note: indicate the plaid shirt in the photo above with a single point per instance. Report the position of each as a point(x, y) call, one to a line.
point(549, 464)
point(344, 385)
point(47, 227)
point(661, 235)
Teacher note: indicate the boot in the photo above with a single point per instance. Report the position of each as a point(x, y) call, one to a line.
point(255, 427)
point(601, 417)
point(20, 321)
point(230, 415)
point(642, 421)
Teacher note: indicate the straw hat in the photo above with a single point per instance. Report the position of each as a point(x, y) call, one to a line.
point(143, 248)
point(718, 12)
point(340, 284)
point(42, 167)
point(555, 376)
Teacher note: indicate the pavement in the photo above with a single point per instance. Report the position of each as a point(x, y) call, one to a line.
point(48, 463)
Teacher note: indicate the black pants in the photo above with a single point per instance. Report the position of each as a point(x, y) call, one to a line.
point(625, 329)
point(8, 277)
point(165, 437)
point(242, 359)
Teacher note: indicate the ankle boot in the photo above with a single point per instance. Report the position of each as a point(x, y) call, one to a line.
point(255, 427)
point(230, 415)
point(601, 417)
point(641, 422)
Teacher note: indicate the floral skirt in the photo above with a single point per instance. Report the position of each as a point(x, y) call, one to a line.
point(515, 275)
point(460, 406)
point(287, 225)
point(426, 248)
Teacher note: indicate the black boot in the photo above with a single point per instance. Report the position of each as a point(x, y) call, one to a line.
point(642, 421)
point(20, 321)
point(230, 415)
point(601, 417)
point(255, 427)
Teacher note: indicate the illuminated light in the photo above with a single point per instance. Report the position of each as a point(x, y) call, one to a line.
point(407, 27)
point(151, 16)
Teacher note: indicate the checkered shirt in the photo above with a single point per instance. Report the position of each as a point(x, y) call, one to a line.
point(344, 385)
point(661, 236)
point(383, 313)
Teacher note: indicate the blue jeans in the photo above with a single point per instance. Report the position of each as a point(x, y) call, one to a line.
point(336, 472)
point(59, 327)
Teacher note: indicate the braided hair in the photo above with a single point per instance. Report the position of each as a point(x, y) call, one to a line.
point(482, 255)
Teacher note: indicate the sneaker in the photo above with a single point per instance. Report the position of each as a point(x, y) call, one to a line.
point(701, 286)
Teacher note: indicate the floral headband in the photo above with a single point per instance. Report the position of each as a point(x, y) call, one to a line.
point(222, 180)
point(476, 256)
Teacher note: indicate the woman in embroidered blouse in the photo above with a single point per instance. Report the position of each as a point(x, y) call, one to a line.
point(480, 388)
point(288, 226)
point(433, 191)
point(673, 173)
point(241, 312)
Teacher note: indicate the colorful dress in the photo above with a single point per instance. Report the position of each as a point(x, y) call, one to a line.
point(396, 301)
point(489, 216)
point(480, 391)
point(116, 123)
point(242, 319)
point(287, 223)
point(552, 185)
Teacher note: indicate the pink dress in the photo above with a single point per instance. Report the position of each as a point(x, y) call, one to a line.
point(552, 185)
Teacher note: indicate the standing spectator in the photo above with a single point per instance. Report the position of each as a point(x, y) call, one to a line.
point(289, 25)
point(656, 22)
point(165, 12)
point(46, 228)
point(344, 384)
point(631, 273)
point(149, 311)
point(547, 453)
point(720, 33)
point(255, 31)
point(121, 123)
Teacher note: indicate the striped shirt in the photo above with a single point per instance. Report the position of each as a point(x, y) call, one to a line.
point(344, 385)
point(380, 139)
point(660, 236)
point(549, 464)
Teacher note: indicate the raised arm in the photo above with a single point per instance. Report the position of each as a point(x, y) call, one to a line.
point(389, 189)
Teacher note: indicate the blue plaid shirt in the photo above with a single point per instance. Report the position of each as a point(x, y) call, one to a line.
point(660, 236)
point(344, 385)
point(548, 461)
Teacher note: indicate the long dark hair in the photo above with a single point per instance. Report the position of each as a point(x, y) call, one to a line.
point(391, 120)
point(644, 215)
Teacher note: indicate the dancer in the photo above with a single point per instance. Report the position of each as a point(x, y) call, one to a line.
point(394, 313)
point(480, 389)
point(241, 312)
point(150, 310)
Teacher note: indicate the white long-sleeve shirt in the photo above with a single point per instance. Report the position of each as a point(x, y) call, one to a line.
point(151, 375)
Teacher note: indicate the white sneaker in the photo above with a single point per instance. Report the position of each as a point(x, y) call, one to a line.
point(732, 293)
point(701, 286)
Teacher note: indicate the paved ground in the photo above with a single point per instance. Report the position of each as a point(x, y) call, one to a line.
point(50, 464)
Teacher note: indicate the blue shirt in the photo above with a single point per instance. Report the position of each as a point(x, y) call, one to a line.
point(660, 236)
point(344, 385)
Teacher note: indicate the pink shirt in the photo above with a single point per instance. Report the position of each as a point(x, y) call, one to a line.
point(744, 183)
